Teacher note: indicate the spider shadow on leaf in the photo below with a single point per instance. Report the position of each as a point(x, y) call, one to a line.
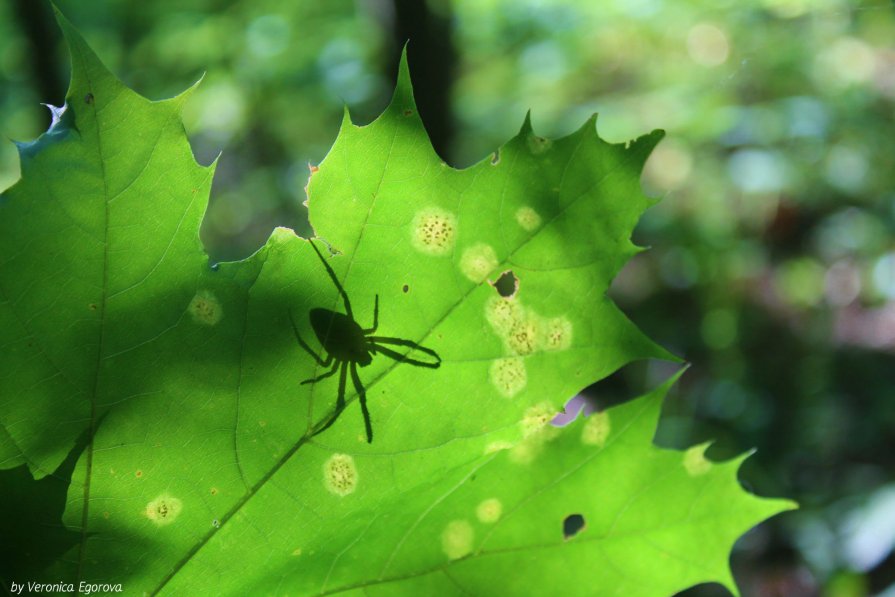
point(348, 346)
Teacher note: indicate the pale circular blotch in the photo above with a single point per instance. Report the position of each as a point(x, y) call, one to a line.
point(528, 218)
point(522, 337)
point(538, 145)
point(478, 261)
point(526, 451)
point(695, 461)
point(498, 446)
point(340, 474)
point(489, 511)
point(457, 538)
point(536, 419)
point(503, 313)
point(434, 231)
point(205, 308)
point(596, 429)
point(509, 376)
point(163, 510)
point(558, 334)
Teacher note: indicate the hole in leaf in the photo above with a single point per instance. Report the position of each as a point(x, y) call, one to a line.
point(572, 525)
point(406, 289)
point(507, 284)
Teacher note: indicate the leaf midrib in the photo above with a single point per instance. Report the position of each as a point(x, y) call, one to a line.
point(88, 473)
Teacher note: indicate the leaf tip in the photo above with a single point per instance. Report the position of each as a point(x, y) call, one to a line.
point(402, 100)
point(87, 70)
point(526, 124)
point(346, 118)
point(186, 93)
point(591, 122)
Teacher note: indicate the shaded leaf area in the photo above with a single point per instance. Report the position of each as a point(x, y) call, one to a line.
point(32, 529)
point(214, 465)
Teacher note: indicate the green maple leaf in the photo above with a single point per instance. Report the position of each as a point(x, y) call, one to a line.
point(213, 469)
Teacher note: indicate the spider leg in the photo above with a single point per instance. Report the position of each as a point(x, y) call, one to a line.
point(321, 362)
point(377, 340)
point(375, 317)
point(325, 375)
point(405, 359)
point(362, 397)
point(340, 401)
point(332, 276)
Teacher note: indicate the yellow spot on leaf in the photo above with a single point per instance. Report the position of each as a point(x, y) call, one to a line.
point(497, 446)
point(509, 376)
point(528, 218)
point(434, 231)
point(503, 313)
point(340, 474)
point(522, 338)
point(537, 419)
point(457, 538)
point(558, 334)
point(695, 461)
point(163, 510)
point(205, 308)
point(538, 145)
point(596, 429)
point(489, 511)
point(526, 451)
point(478, 261)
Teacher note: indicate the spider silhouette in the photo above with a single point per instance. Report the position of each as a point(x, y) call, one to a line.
point(348, 346)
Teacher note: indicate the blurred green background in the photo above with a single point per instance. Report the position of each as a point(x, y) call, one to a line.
point(773, 267)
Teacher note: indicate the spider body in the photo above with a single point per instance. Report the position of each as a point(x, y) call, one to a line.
point(341, 336)
point(348, 346)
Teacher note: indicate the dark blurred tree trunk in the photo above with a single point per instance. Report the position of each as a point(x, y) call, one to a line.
point(39, 26)
point(428, 26)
